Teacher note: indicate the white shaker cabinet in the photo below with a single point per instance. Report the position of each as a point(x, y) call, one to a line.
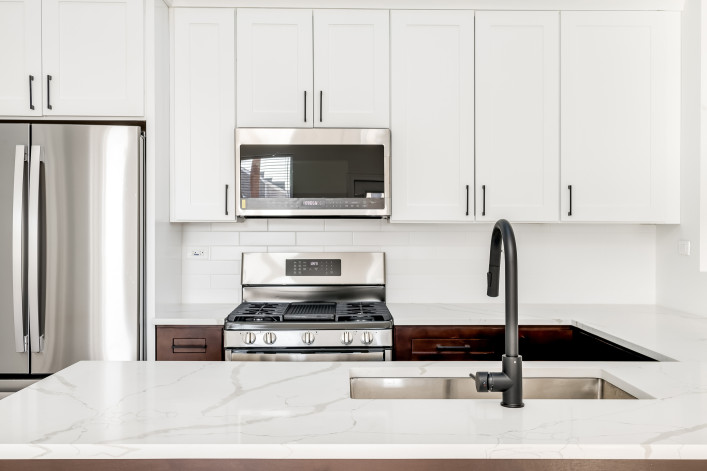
point(274, 51)
point(620, 116)
point(305, 68)
point(92, 57)
point(20, 58)
point(351, 68)
point(204, 116)
point(517, 115)
point(432, 115)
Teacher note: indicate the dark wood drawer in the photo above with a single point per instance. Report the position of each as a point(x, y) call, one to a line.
point(476, 343)
point(189, 342)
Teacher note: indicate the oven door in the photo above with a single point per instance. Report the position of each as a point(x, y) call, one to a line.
point(313, 172)
point(288, 354)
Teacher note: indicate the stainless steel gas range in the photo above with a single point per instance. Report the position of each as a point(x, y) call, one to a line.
point(311, 307)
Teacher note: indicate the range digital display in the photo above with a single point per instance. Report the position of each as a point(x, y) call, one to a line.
point(313, 267)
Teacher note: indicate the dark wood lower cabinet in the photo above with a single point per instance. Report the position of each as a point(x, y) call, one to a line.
point(189, 343)
point(480, 343)
point(351, 465)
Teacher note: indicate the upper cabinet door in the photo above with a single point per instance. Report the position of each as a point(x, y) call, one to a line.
point(620, 116)
point(92, 57)
point(203, 173)
point(432, 119)
point(351, 68)
point(274, 50)
point(21, 57)
point(517, 115)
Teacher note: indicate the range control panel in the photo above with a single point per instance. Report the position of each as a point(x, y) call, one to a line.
point(313, 267)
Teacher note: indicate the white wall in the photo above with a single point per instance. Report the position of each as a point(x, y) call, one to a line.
point(438, 262)
point(680, 284)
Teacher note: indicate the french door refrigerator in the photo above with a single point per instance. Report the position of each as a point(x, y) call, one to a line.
point(71, 236)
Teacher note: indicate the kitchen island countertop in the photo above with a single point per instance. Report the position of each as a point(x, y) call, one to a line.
point(304, 410)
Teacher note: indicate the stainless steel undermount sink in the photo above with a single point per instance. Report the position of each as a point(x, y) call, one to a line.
point(463, 388)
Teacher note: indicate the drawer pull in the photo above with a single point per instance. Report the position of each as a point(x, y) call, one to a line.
point(188, 345)
point(453, 348)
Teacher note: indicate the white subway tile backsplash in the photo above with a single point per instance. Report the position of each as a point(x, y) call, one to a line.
point(296, 225)
point(295, 249)
point(211, 267)
point(221, 296)
point(324, 238)
point(446, 239)
point(352, 248)
point(196, 282)
point(381, 238)
point(558, 263)
point(248, 225)
point(229, 282)
point(352, 225)
point(209, 238)
point(196, 227)
point(234, 252)
point(268, 238)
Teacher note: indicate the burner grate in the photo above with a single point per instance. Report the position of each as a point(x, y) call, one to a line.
point(361, 312)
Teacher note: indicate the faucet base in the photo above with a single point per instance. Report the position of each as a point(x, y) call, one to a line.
point(513, 368)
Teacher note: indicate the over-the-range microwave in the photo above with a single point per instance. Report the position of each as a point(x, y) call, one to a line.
point(313, 172)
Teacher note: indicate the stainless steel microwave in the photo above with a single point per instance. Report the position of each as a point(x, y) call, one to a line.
point(313, 172)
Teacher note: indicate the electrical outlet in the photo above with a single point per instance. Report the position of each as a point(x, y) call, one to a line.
point(198, 253)
point(684, 247)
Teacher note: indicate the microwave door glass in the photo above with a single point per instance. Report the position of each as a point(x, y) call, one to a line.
point(312, 171)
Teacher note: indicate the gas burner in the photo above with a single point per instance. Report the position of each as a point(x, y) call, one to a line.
point(258, 312)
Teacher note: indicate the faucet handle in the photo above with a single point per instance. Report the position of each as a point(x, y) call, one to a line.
point(491, 382)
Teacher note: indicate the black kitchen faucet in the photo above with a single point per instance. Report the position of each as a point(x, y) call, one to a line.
point(510, 380)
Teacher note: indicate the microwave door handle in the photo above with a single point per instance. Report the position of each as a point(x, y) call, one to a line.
point(17, 250)
point(33, 249)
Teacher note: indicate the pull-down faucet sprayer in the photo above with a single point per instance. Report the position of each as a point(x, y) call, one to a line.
point(510, 380)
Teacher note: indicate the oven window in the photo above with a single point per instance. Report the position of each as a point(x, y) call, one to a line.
point(311, 171)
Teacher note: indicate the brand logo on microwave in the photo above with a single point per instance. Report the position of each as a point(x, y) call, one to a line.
point(312, 203)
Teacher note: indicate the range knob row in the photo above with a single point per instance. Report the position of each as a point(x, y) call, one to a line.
point(269, 338)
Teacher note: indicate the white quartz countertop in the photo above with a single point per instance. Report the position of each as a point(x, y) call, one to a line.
point(304, 410)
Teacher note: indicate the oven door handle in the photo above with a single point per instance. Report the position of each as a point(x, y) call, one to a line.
point(315, 355)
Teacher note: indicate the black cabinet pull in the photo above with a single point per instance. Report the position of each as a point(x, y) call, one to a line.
point(453, 348)
point(483, 200)
point(31, 79)
point(569, 187)
point(226, 200)
point(321, 96)
point(467, 200)
point(49, 97)
point(305, 106)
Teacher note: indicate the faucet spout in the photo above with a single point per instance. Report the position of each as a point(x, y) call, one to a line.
point(510, 380)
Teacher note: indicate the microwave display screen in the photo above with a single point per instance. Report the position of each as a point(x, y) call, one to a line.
point(311, 171)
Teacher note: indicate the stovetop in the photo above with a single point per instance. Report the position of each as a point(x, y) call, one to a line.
point(310, 312)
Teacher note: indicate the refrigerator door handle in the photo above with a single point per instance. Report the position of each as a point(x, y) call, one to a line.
point(33, 250)
point(17, 252)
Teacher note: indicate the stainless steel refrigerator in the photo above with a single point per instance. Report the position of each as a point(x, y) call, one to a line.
point(71, 242)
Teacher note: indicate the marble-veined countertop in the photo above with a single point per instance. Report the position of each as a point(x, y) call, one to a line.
point(304, 410)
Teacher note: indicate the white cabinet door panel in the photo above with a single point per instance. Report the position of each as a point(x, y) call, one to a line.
point(20, 57)
point(517, 115)
point(203, 173)
point(93, 51)
point(432, 117)
point(274, 50)
point(620, 116)
point(351, 68)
